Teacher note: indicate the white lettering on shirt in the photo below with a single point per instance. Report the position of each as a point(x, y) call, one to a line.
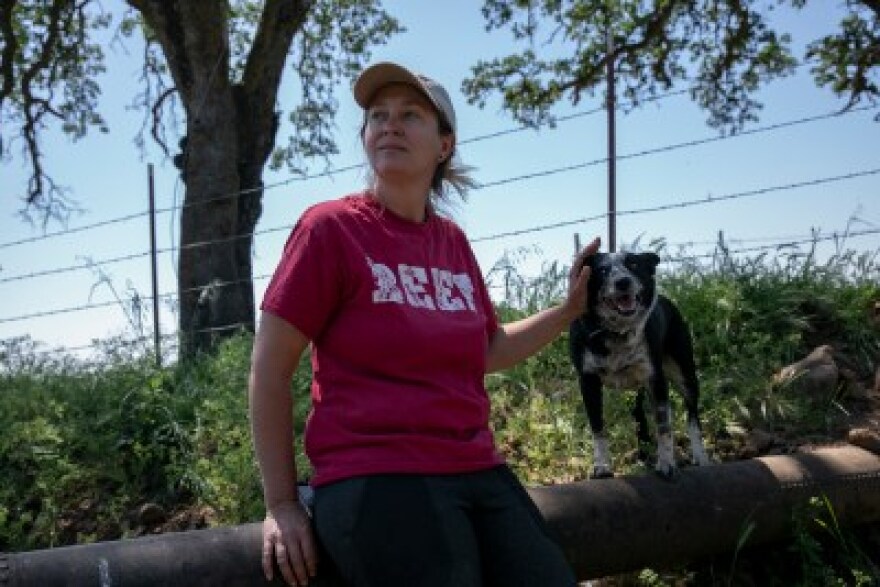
point(413, 280)
point(466, 287)
point(453, 292)
point(443, 283)
point(385, 282)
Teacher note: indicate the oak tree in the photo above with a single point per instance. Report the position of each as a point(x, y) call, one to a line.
point(722, 51)
point(221, 64)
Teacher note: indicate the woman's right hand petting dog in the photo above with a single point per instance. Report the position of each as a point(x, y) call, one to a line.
point(578, 277)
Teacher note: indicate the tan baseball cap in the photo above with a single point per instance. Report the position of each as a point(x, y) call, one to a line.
point(377, 76)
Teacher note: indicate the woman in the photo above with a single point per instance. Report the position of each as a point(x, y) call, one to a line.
point(409, 488)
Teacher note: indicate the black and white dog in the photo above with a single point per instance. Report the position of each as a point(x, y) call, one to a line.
point(631, 337)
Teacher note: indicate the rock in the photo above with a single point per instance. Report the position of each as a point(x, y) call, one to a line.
point(760, 441)
point(747, 452)
point(151, 514)
point(865, 438)
point(815, 376)
point(853, 387)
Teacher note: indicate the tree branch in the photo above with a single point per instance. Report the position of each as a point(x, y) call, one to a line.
point(281, 19)
point(166, 22)
point(32, 118)
point(156, 111)
point(873, 5)
point(10, 47)
point(255, 97)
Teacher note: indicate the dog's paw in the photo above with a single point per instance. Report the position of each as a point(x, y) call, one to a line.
point(601, 472)
point(666, 457)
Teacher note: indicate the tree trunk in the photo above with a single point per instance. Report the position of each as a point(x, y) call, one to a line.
point(209, 278)
point(230, 145)
point(230, 135)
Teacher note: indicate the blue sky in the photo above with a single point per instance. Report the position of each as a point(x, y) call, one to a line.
point(108, 177)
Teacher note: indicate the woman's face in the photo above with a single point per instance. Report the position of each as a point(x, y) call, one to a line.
point(402, 135)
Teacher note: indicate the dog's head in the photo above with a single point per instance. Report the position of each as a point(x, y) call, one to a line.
point(621, 288)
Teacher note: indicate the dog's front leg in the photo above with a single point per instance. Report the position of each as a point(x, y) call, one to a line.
point(663, 416)
point(643, 436)
point(691, 392)
point(591, 392)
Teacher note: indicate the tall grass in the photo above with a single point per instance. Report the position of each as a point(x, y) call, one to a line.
point(84, 445)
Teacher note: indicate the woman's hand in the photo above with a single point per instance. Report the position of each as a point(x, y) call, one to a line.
point(575, 302)
point(515, 341)
point(288, 537)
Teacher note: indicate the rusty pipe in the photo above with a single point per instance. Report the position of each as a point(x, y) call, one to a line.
point(216, 556)
point(629, 523)
point(604, 526)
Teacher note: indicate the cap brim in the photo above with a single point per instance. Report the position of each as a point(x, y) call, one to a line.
point(380, 75)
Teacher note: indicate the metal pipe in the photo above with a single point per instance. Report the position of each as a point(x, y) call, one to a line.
point(630, 523)
point(217, 556)
point(604, 526)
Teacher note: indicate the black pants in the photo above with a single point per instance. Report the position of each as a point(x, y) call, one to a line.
point(466, 530)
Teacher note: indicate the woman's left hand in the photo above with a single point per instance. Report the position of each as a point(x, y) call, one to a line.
point(575, 302)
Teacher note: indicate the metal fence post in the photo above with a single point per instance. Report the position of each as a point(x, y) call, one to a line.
point(157, 335)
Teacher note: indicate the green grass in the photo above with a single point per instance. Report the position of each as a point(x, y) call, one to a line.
point(84, 445)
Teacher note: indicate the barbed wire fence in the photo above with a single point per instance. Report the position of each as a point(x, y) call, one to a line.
point(139, 301)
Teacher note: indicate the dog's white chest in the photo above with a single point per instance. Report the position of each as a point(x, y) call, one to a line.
point(626, 366)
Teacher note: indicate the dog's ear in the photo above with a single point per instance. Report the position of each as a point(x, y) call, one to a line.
point(650, 260)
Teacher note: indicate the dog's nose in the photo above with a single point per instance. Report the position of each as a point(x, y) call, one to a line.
point(623, 284)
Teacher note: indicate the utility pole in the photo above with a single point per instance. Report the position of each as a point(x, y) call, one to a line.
point(612, 155)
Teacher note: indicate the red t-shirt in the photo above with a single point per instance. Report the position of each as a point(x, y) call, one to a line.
point(399, 319)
